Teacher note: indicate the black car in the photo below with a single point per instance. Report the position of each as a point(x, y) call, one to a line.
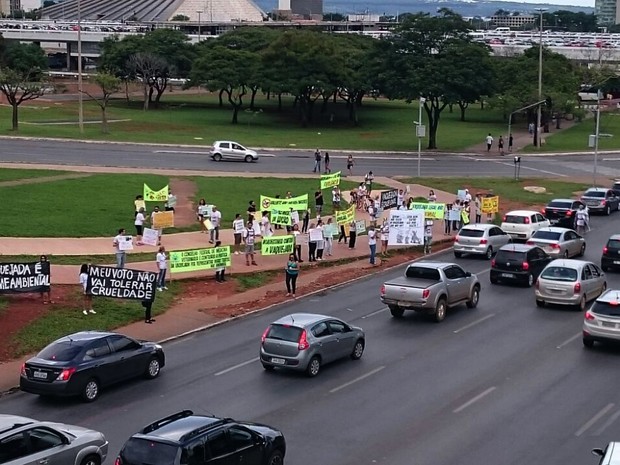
point(561, 212)
point(520, 263)
point(611, 253)
point(185, 438)
point(82, 363)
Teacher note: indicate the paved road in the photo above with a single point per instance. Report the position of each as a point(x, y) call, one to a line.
point(290, 161)
point(505, 383)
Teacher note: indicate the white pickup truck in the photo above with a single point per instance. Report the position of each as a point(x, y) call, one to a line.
point(431, 287)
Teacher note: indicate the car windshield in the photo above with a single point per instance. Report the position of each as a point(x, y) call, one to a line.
point(503, 255)
point(547, 235)
point(559, 204)
point(515, 219)
point(420, 272)
point(284, 333)
point(606, 308)
point(60, 351)
point(599, 194)
point(559, 273)
point(145, 451)
point(471, 232)
point(613, 244)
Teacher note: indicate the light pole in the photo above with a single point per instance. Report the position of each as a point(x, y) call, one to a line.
point(420, 130)
point(199, 25)
point(540, 60)
point(80, 97)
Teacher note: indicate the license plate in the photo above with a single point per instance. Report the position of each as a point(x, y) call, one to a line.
point(616, 262)
point(40, 374)
point(507, 275)
point(609, 324)
point(278, 361)
point(403, 304)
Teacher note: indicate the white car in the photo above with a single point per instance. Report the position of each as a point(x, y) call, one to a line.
point(521, 224)
point(226, 149)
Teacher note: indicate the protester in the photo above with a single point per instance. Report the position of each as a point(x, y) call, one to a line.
point(368, 179)
point(87, 299)
point(251, 211)
point(249, 238)
point(311, 246)
point(292, 271)
point(318, 201)
point(428, 236)
point(305, 221)
point(171, 203)
point(138, 204)
point(336, 198)
point(328, 238)
point(162, 267)
point(456, 224)
point(465, 214)
point(343, 234)
point(478, 207)
point(327, 168)
point(237, 233)
point(372, 244)
point(385, 232)
point(320, 244)
point(352, 235)
point(350, 164)
point(46, 294)
point(265, 225)
point(299, 239)
point(216, 220)
point(220, 270)
point(317, 161)
point(139, 224)
point(200, 214)
point(446, 219)
point(120, 254)
point(279, 226)
point(148, 306)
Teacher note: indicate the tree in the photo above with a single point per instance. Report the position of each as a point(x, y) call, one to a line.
point(21, 75)
point(146, 67)
point(109, 84)
point(180, 18)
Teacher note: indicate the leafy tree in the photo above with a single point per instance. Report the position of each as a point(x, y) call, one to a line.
point(147, 67)
point(180, 18)
point(109, 84)
point(21, 75)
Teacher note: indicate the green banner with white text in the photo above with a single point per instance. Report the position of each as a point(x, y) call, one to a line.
point(284, 205)
point(277, 245)
point(330, 180)
point(199, 259)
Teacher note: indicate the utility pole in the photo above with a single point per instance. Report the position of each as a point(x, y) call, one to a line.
point(540, 62)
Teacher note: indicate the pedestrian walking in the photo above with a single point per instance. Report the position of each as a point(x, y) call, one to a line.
point(326, 160)
point(352, 235)
point(368, 179)
point(318, 201)
point(87, 299)
point(372, 244)
point(216, 220)
point(489, 141)
point(510, 141)
point(162, 267)
point(328, 238)
point(291, 273)
point(249, 238)
point(299, 241)
point(317, 161)
point(116, 243)
point(428, 236)
point(148, 306)
point(500, 145)
point(350, 164)
point(220, 270)
point(139, 224)
point(581, 220)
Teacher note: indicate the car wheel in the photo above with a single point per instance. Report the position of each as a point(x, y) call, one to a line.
point(489, 253)
point(582, 251)
point(217, 157)
point(153, 368)
point(268, 367)
point(493, 280)
point(91, 460)
point(248, 158)
point(540, 303)
point(396, 312)
point(587, 342)
point(90, 391)
point(440, 310)
point(530, 280)
point(276, 458)
point(565, 255)
point(358, 350)
point(581, 306)
point(473, 299)
point(604, 268)
point(608, 210)
point(604, 287)
point(313, 367)
point(458, 254)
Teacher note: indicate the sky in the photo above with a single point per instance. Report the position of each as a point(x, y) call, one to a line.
point(589, 3)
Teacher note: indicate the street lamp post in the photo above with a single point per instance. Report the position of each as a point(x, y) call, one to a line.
point(540, 60)
point(199, 25)
point(420, 133)
point(79, 38)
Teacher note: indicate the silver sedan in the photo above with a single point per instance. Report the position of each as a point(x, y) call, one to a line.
point(559, 242)
point(480, 239)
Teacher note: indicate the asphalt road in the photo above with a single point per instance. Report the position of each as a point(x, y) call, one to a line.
point(504, 383)
point(292, 161)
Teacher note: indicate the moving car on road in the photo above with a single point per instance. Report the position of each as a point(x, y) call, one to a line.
point(601, 323)
point(479, 239)
point(611, 253)
point(561, 212)
point(521, 263)
point(569, 282)
point(24, 441)
point(229, 150)
point(559, 242)
point(188, 439)
point(82, 363)
point(601, 200)
point(521, 224)
point(306, 342)
point(431, 287)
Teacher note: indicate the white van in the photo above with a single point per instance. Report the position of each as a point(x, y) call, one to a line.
point(502, 29)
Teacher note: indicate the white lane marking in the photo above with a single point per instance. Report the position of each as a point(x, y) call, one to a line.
point(374, 313)
point(379, 158)
point(475, 399)
point(473, 323)
point(568, 341)
point(611, 159)
point(533, 169)
point(488, 270)
point(594, 419)
point(360, 378)
point(234, 367)
point(608, 423)
point(349, 309)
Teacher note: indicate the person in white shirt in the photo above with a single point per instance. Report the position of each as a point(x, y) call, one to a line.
point(216, 220)
point(328, 238)
point(489, 141)
point(372, 244)
point(249, 238)
point(467, 196)
point(385, 233)
point(265, 225)
point(120, 254)
point(87, 306)
point(320, 244)
point(428, 236)
point(162, 267)
point(139, 224)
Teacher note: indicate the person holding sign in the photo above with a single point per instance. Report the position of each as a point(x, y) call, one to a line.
point(216, 219)
point(120, 254)
point(385, 233)
point(200, 215)
point(237, 232)
point(372, 244)
point(139, 224)
point(352, 235)
point(299, 239)
point(249, 238)
point(428, 236)
point(291, 270)
point(87, 299)
point(328, 237)
point(162, 267)
point(45, 294)
point(138, 204)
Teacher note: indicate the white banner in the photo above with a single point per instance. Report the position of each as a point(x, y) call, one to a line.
point(238, 226)
point(150, 237)
point(316, 234)
point(406, 227)
point(360, 226)
point(295, 217)
point(127, 244)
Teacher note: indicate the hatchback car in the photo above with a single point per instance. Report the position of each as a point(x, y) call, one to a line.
point(306, 341)
point(84, 362)
point(601, 200)
point(229, 150)
point(519, 263)
point(610, 455)
point(559, 242)
point(24, 441)
point(187, 439)
point(569, 282)
point(521, 224)
point(561, 212)
point(611, 253)
point(601, 323)
point(479, 239)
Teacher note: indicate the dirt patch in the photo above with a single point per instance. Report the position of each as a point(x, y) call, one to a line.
point(185, 191)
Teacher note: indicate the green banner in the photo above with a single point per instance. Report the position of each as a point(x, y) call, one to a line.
point(345, 216)
point(199, 259)
point(277, 245)
point(330, 180)
point(431, 210)
point(155, 196)
point(281, 218)
point(284, 205)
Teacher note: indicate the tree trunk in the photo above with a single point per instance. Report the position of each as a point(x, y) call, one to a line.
point(353, 114)
point(254, 91)
point(151, 94)
point(325, 103)
point(335, 96)
point(14, 118)
point(433, 111)
point(221, 101)
point(280, 101)
point(145, 92)
point(268, 95)
point(127, 91)
point(235, 119)
point(450, 108)
point(482, 104)
point(104, 119)
point(463, 106)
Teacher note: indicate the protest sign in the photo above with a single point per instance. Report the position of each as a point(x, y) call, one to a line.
point(465, 216)
point(199, 259)
point(490, 204)
point(294, 217)
point(277, 245)
point(406, 227)
point(389, 199)
point(461, 193)
point(330, 230)
point(360, 226)
point(330, 180)
point(296, 203)
point(121, 283)
point(150, 236)
point(281, 218)
point(171, 201)
point(256, 228)
point(140, 204)
point(208, 224)
point(432, 210)
point(345, 216)
point(24, 277)
point(127, 244)
point(238, 226)
point(315, 234)
point(163, 220)
point(455, 215)
point(205, 210)
point(155, 196)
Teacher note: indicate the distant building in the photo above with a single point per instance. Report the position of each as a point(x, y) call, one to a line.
point(8, 7)
point(512, 21)
point(364, 17)
point(29, 5)
point(307, 7)
point(607, 12)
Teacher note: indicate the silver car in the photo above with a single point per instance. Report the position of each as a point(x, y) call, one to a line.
point(480, 239)
point(559, 242)
point(569, 282)
point(306, 341)
point(227, 149)
point(24, 441)
point(601, 323)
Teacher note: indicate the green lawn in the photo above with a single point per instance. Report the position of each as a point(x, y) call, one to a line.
point(7, 174)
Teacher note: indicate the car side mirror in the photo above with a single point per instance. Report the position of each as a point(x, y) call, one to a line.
point(598, 452)
point(468, 274)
